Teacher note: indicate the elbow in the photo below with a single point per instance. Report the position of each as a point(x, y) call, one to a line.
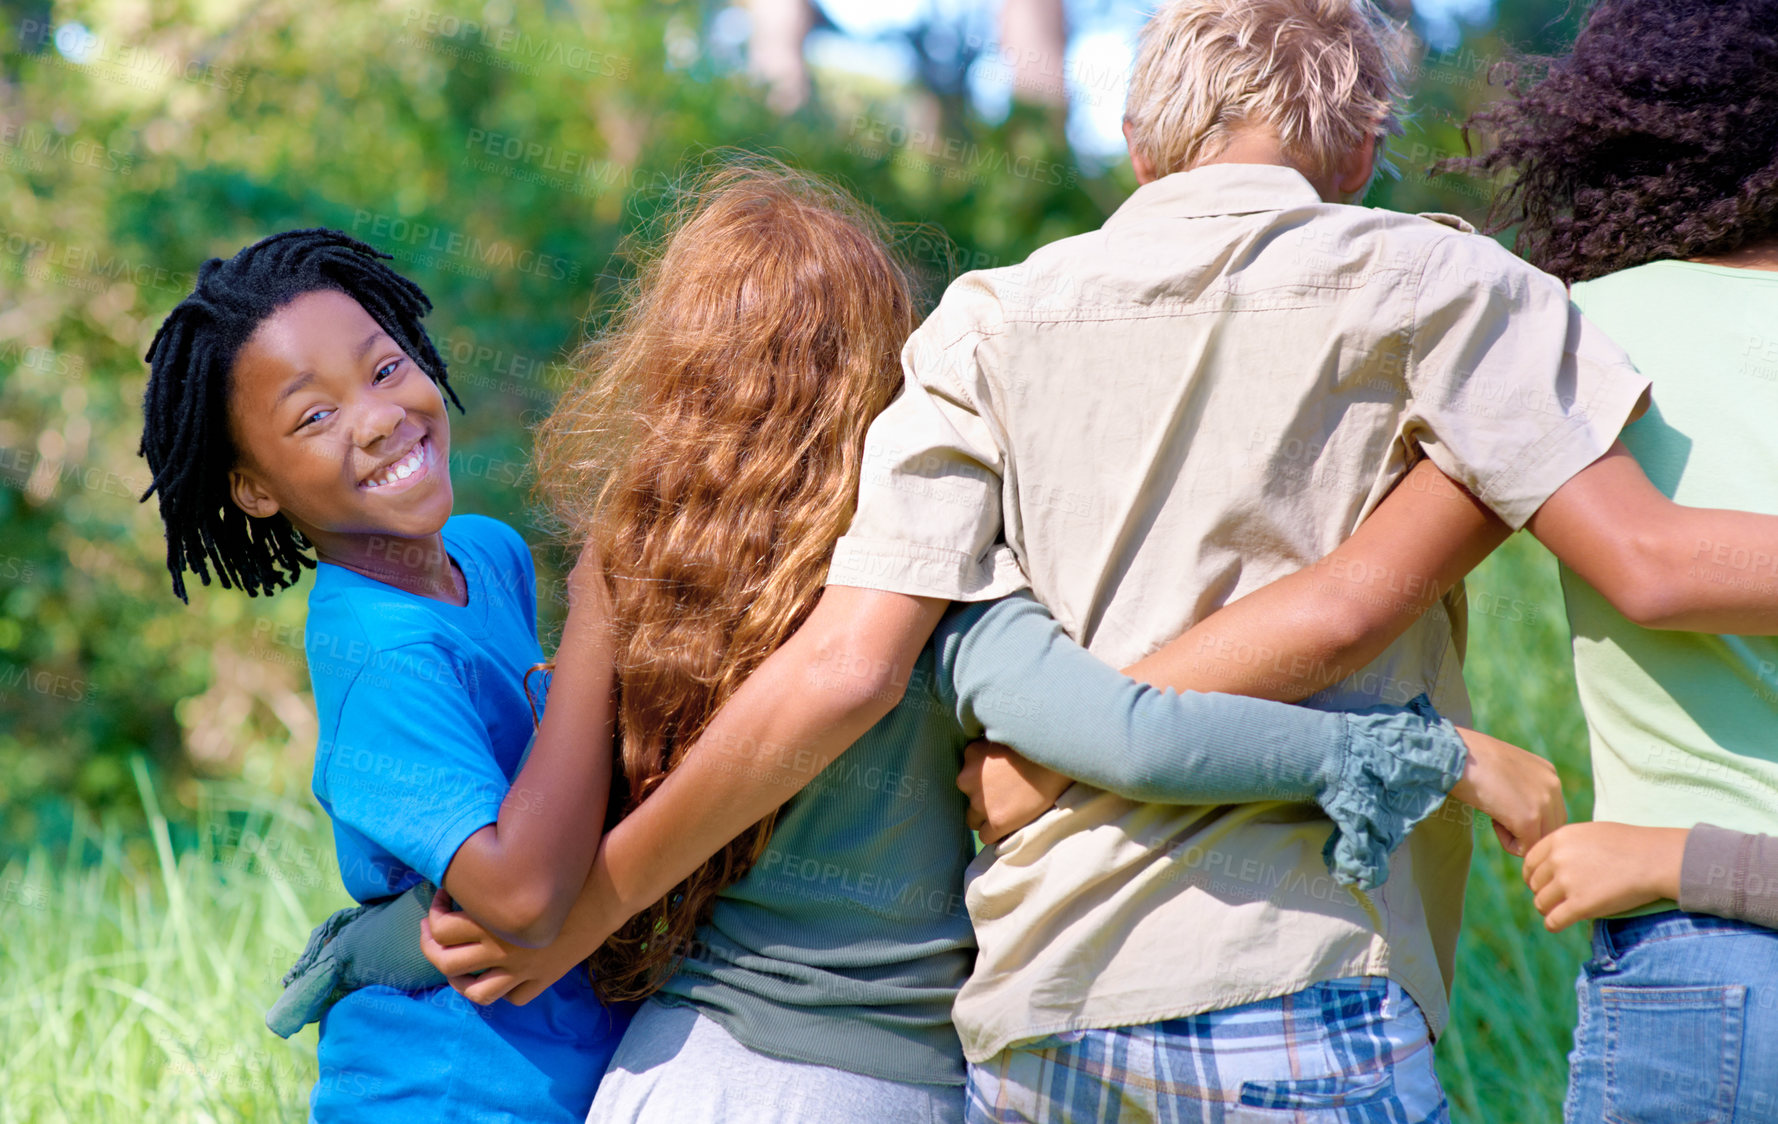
point(1646, 583)
point(1350, 633)
point(865, 700)
point(1358, 628)
point(529, 915)
point(881, 692)
point(541, 931)
point(857, 682)
point(1649, 610)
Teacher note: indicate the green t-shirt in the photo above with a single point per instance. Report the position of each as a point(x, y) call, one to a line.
point(1684, 725)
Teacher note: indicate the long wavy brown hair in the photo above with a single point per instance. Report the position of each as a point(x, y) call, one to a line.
point(711, 447)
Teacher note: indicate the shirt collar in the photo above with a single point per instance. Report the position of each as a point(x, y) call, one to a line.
point(1219, 189)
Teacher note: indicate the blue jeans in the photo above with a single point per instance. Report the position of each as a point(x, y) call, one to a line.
point(1678, 1023)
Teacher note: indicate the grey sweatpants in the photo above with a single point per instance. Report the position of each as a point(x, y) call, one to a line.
point(675, 1065)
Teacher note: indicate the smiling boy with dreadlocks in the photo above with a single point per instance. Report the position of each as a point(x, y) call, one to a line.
point(295, 404)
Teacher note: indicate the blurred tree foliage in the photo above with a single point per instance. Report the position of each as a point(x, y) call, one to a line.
point(502, 152)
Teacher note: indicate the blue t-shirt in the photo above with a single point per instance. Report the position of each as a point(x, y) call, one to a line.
point(424, 723)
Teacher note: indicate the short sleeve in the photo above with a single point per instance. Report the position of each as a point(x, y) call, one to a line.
point(505, 557)
point(410, 766)
point(1511, 391)
point(928, 521)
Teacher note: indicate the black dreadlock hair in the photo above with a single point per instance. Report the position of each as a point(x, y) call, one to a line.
point(185, 430)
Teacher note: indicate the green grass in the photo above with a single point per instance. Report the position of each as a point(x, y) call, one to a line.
point(1504, 1060)
point(137, 975)
point(137, 978)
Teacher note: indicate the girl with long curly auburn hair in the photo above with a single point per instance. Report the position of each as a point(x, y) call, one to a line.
point(708, 459)
point(712, 457)
point(1645, 171)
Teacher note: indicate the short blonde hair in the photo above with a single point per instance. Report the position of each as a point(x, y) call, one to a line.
point(1323, 74)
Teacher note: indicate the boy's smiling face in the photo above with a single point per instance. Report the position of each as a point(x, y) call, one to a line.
point(337, 427)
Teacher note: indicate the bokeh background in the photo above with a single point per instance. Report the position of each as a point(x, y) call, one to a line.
point(161, 859)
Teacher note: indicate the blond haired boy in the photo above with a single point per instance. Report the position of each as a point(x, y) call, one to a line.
point(1221, 383)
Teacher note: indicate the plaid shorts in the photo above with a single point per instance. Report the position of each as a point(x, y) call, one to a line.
point(1350, 1051)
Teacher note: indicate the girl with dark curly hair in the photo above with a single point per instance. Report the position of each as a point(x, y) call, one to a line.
point(1645, 173)
point(1656, 138)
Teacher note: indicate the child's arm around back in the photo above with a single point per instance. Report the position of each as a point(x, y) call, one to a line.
point(519, 874)
point(1307, 631)
point(1298, 635)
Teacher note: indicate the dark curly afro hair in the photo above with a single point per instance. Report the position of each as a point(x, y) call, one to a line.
point(1656, 137)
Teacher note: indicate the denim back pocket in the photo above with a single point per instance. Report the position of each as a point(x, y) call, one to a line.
point(1672, 1054)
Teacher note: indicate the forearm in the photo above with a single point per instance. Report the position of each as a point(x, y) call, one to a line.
point(1660, 564)
point(1190, 749)
point(1375, 774)
point(825, 687)
point(1711, 571)
point(1227, 749)
point(589, 920)
point(1019, 680)
point(1730, 874)
point(521, 875)
point(1285, 641)
point(1311, 629)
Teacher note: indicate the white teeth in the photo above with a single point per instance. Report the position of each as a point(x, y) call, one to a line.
point(401, 470)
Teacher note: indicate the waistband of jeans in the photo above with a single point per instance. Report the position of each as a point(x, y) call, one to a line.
point(1620, 934)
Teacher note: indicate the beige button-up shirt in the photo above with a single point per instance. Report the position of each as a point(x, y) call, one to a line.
point(1150, 420)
